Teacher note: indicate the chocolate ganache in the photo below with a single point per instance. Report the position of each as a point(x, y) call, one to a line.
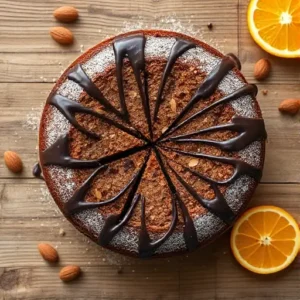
point(244, 131)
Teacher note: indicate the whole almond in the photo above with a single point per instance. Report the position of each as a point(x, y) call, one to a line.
point(290, 106)
point(69, 273)
point(13, 161)
point(262, 69)
point(62, 35)
point(48, 252)
point(66, 14)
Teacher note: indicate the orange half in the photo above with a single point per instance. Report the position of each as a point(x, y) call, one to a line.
point(275, 26)
point(265, 239)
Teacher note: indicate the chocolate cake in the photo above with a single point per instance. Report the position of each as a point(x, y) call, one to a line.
point(152, 143)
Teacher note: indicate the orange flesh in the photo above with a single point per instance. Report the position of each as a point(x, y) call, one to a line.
point(265, 239)
point(277, 22)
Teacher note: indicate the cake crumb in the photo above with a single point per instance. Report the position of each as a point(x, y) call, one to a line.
point(265, 92)
point(210, 26)
point(62, 232)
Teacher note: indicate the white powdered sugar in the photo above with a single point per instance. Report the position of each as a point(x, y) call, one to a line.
point(237, 191)
point(251, 154)
point(158, 47)
point(57, 125)
point(99, 62)
point(70, 89)
point(206, 225)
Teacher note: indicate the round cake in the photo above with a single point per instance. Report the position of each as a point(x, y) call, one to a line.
point(152, 143)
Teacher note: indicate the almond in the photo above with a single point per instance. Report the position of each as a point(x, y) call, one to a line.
point(290, 106)
point(48, 252)
point(66, 14)
point(173, 105)
point(13, 161)
point(62, 35)
point(193, 162)
point(262, 69)
point(69, 273)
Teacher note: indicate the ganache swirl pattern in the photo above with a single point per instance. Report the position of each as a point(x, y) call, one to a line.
point(248, 130)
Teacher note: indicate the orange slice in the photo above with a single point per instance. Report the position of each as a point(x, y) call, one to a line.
point(265, 239)
point(275, 26)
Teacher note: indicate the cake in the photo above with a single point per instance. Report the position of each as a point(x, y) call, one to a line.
point(152, 143)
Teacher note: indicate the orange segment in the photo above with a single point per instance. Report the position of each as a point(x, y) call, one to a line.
point(275, 26)
point(265, 239)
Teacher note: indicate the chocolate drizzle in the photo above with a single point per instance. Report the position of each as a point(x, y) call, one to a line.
point(37, 171)
point(58, 154)
point(217, 206)
point(248, 129)
point(179, 47)
point(78, 75)
point(133, 48)
point(248, 89)
point(208, 87)
point(69, 108)
point(114, 223)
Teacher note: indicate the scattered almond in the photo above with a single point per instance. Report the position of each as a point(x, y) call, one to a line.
point(13, 161)
point(173, 105)
point(262, 69)
point(98, 194)
point(69, 273)
point(290, 106)
point(164, 129)
point(48, 252)
point(265, 92)
point(66, 14)
point(193, 162)
point(62, 35)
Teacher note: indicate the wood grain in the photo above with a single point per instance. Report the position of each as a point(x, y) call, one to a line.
point(29, 62)
point(108, 17)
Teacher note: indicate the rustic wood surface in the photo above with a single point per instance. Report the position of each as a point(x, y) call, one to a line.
point(29, 63)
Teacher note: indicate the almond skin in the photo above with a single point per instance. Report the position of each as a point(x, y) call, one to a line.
point(290, 106)
point(62, 35)
point(48, 252)
point(69, 273)
point(262, 69)
point(13, 161)
point(66, 14)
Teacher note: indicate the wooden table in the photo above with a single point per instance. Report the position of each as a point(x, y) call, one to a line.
point(29, 62)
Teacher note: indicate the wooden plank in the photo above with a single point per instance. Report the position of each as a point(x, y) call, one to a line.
point(210, 273)
point(33, 67)
point(105, 18)
point(284, 71)
point(18, 100)
point(100, 282)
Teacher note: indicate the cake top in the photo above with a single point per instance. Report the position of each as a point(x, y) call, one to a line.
point(141, 152)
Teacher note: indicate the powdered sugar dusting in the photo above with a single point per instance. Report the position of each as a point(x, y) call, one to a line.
point(251, 154)
point(244, 106)
point(66, 187)
point(207, 226)
point(33, 119)
point(237, 191)
point(172, 23)
point(70, 89)
point(160, 47)
point(99, 62)
point(57, 125)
